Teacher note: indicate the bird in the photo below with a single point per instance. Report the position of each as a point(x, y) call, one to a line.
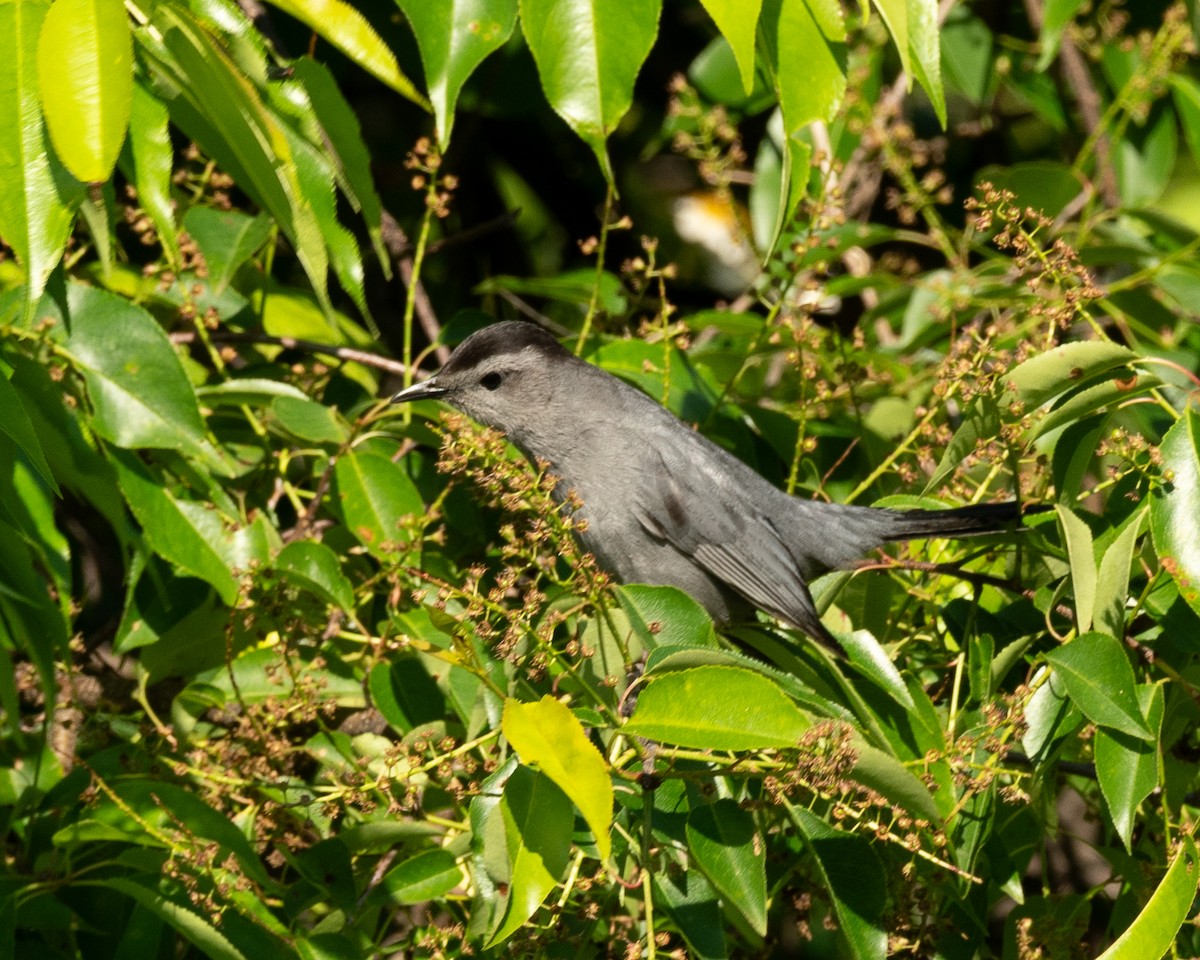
point(663, 504)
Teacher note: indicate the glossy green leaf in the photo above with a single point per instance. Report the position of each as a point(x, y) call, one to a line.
point(665, 616)
point(1127, 768)
point(345, 141)
point(868, 655)
point(195, 928)
point(717, 708)
point(376, 495)
point(344, 27)
point(85, 72)
point(1083, 403)
point(854, 880)
point(924, 43)
point(738, 22)
point(36, 203)
point(216, 106)
point(315, 567)
point(153, 159)
point(538, 820)
point(1095, 670)
point(1153, 930)
point(588, 54)
point(309, 420)
point(547, 735)
point(227, 239)
point(688, 898)
point(16, 425)
point(1112, 578)
point(890, 778)
point(723, 841)
point(181, 533)
point(136, 382)
point(1080, 552)
point(1175, 507)
point(247, 390)
point(455, 37)
point(806, 51)
point(429, 875)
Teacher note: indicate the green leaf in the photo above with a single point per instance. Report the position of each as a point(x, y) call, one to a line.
point(213, 102)
point(868, 655)
point(376, 494)
point(430, 875)
point(723, 840)
point(247, 390)
point(717, 708)
point(1112, 579)
point(1080, 552)
point(1079, 404)
point(588, 54)
point(547, 735)
point(855, 881)
point(538, 821)
point(16, 424)
point(666, 616)
point(806, 52)
point(1127, 768)
point(890, 778)
point(309, 420)
point(455, 37)
point(38, 196)
point(924, 44)
point(178, 531)
point(153, 164)
point(1096, 672)
point(227, 239)
point(85, 72)
point(315, 567)
point(196, 929)
point(348, 30)
point(738, 22)
point(1153, 930)
point(1175, 507)
point(691, 902)
point(895, 16)
point(138, 388)
point(344, 140)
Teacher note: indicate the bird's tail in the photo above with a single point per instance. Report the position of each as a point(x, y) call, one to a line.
point(956, 522)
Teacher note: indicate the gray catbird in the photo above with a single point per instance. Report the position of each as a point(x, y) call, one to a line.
point(663, 504)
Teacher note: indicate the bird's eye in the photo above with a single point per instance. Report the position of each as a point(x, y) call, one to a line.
point(490, 381)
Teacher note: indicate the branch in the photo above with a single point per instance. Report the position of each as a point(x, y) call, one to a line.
point(349, 354)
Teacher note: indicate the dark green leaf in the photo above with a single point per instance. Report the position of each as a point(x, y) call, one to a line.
point(1095, 670)
point(1175, 507)
point(722, 839)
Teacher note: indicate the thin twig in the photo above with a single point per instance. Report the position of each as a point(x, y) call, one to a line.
point(396, 242)
point(349, 354)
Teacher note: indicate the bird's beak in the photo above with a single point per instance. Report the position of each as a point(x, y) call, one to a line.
point(425, 390)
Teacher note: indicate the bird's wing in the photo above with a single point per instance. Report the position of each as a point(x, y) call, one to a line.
point(702, 511)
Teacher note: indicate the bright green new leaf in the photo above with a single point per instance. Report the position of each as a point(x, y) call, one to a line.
point(537, 818)
point(347, 29)
point(376, 495)
point(895, 15)
point(1175, 507)
point(588, 54)
point(723, 840)
point(855, 880)
point(455, 37)
point(38, 194)
point(717, 708)
point(1153, 931)
point(1099, 680)
point(85, 72)
point(738, 21)
point(547, 735)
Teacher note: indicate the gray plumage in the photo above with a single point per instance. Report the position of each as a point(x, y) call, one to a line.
point(663, 504)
